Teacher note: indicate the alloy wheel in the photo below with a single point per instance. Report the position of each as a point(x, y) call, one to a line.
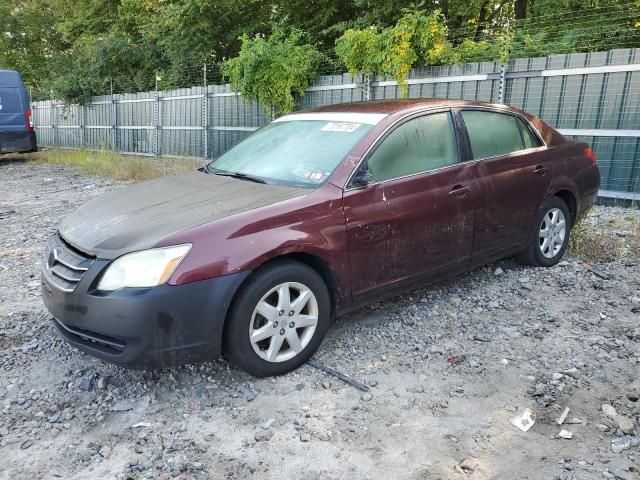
point(283, 322)
point(553, 231)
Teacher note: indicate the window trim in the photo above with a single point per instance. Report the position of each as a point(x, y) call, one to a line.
point(482, 108)
point(390, 129)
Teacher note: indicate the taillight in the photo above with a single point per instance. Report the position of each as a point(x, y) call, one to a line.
point(591, 154)
point(29, 121)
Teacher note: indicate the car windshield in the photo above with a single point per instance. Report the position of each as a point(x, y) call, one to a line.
point(302, 151)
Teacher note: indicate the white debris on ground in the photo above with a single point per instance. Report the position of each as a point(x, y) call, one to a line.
point(447, 366)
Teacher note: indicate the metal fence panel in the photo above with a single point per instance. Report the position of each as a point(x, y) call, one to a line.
point(594, 97)
point(588, 96)
point(332, 89)
point(97, 114)
point(98, 138)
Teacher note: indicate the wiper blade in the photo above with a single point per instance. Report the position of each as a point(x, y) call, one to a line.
point(241, 176)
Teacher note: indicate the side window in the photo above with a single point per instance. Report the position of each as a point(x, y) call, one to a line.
point(531, 140)
point(419, 145)
point(492, 134)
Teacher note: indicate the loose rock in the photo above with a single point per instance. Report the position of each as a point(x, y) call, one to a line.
point(264, 435)
point(625, 424)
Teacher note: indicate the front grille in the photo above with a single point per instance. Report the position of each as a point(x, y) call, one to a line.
point(65, 264)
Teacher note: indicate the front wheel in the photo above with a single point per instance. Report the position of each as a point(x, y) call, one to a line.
point(550, 237)
point(278, 319)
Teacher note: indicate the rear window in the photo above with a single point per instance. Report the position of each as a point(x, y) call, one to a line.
point(493, 134)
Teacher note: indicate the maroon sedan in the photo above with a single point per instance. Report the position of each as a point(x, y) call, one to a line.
point(310, 216)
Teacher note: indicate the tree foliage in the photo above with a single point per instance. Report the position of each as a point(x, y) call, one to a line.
point(273, 70)
point(417, 38)
point(73, 49)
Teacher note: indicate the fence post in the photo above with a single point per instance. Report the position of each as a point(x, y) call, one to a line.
point(205, 115)
point(114, 120)
point(502, 83)
point(54, 121)
point(504, 61)
point(81, 122)
point(156, 121)
point(367, 87)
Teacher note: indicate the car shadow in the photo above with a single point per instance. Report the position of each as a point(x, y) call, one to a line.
point(7, 159)
point(374, 313)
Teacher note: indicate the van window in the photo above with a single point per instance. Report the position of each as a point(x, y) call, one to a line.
point(10, 101)
point(419, 145)
point(492, 134)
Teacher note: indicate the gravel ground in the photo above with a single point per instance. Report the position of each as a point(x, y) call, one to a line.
point(447, 366)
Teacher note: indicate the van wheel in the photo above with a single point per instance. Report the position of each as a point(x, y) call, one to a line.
point(278, 319)
point(550, 236)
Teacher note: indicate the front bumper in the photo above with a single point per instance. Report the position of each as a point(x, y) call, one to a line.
point(18, 142)
point(143, 327)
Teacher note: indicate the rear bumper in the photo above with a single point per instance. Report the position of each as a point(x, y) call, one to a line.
point(590, 186)
point(144, 327)
point(18, 142)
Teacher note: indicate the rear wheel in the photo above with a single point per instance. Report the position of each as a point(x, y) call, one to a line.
point(550, 237)
point(278, 319)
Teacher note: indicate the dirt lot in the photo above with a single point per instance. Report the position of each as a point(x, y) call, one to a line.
point(447, 366)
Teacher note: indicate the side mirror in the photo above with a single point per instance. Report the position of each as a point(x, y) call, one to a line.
point(362, 178)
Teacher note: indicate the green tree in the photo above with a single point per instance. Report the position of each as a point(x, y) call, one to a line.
point(73, 49)
point(30, 41)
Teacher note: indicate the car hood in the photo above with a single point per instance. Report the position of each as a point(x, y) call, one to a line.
point(140, 216)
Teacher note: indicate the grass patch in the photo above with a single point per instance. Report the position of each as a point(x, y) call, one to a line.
point(606, 234)
point(108, 164)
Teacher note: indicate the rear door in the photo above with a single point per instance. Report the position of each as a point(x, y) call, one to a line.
point(415, 218)
point(514, 175)
point(12, 114)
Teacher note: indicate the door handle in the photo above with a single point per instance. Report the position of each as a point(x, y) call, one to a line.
point(459, 190)
point(540, 170)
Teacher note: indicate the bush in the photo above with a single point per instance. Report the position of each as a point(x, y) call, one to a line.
point(272, 70)
point(392, 51)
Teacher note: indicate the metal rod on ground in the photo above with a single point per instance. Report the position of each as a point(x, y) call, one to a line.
point(345, 378)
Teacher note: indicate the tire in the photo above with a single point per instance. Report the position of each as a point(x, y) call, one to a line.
point(256, 311)
point(539, 253)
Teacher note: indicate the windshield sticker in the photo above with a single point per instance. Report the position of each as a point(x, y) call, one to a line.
point(347, 127)
point(314, 176)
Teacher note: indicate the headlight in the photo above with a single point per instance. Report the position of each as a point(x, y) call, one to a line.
point(146, 268)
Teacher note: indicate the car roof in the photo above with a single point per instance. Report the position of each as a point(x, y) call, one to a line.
point(398, 105)
point(10, 77)
point(397, 108)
